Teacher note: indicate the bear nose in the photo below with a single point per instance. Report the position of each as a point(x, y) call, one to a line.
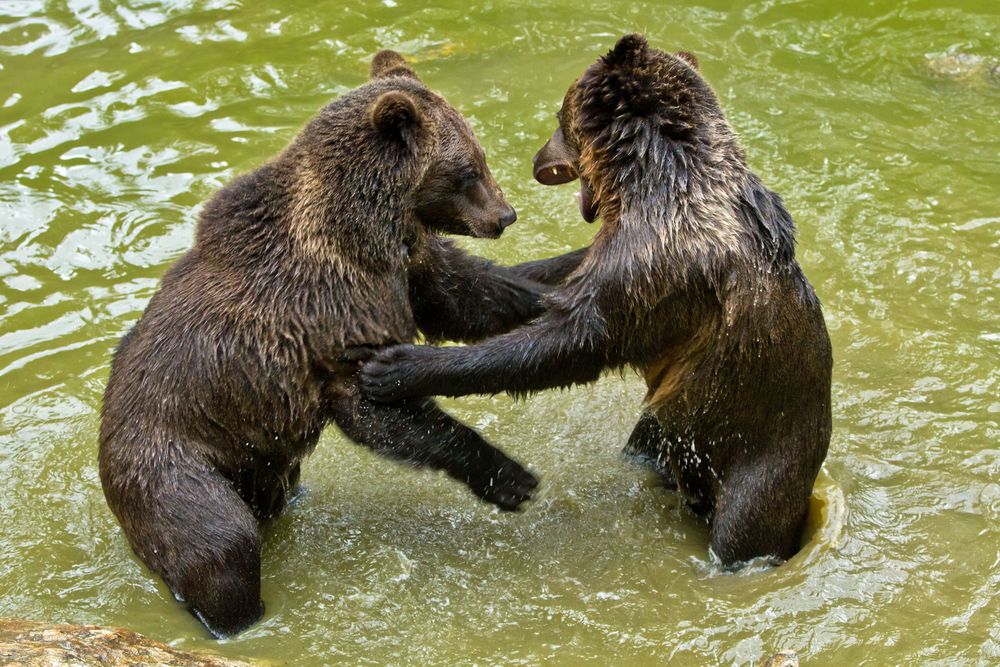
point(508, 218)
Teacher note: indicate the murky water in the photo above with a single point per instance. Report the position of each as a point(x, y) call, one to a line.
point(118, 118)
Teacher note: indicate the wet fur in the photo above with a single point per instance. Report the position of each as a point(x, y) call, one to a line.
point(239, 361)
point(692, 280)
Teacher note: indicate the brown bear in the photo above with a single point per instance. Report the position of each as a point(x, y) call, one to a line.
point(692, 280)
point(237, 364)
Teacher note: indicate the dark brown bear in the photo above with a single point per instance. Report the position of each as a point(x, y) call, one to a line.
point(692, 279)
point(227, 380)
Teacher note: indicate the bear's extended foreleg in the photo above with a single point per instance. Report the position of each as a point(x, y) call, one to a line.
point(551, 270)
point(458, 296)
point(419, 432)
point(559, 349)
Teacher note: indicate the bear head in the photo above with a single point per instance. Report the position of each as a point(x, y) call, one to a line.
point(456, 193)
point(618, 112)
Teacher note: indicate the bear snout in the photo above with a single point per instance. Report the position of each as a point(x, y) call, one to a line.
point(508, 217)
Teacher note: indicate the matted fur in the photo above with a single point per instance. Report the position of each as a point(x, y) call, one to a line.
point(692, 280)
point(244, 354)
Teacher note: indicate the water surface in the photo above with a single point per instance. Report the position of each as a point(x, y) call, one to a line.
point(119, 118)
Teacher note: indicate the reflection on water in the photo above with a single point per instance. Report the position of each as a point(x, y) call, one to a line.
point(118, 118)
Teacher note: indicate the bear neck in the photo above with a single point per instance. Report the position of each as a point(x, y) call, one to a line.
point(698, 203)
point(332, 217)
point(672, 185)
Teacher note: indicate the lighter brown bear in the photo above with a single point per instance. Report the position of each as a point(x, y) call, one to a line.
point(691, 280)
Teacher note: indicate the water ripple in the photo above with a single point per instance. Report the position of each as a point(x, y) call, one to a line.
point(119, 118)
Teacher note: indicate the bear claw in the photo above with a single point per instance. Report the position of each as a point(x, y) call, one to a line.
point(507, 487)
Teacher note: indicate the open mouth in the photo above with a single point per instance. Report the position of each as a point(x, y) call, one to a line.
point(550, 172)
point(553, 173)
point(588, 204)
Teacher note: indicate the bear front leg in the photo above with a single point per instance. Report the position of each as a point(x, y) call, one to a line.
point(552, 270)
point(458, 296)
point(419, 432)
point(558, 349)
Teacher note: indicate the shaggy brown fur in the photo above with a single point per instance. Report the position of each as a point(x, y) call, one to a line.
point(225, 383)
point(692, 280)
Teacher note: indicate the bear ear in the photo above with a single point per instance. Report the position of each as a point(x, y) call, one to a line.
point(395, 114)
point(630, 51)
point(388, 63)
point(688, 57)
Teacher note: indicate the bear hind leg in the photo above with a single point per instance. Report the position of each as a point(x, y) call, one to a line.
point(647, 448)
point(185, 521)
point(760, 512)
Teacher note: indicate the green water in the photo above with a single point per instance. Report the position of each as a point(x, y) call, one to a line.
point(118, 118)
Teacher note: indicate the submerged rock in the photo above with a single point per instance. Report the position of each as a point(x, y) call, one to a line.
point(35, 644)
point(965, 67)
point(782, 659)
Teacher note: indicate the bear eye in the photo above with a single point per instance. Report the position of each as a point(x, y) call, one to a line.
point(470, 177)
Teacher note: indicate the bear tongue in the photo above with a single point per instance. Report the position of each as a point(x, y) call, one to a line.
point(588, 207)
